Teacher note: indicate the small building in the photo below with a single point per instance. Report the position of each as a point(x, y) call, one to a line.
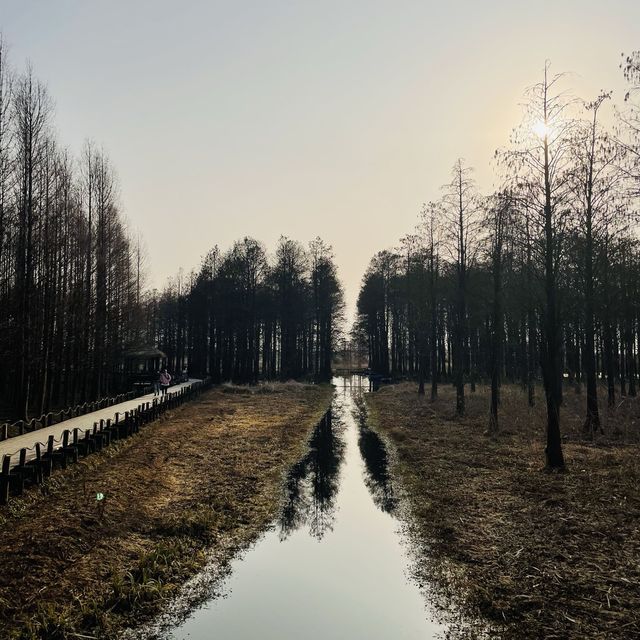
point(142, 363)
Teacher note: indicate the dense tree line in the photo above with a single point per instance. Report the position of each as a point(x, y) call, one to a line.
point(69, 273)
point(247, 315)
point(537, 281)
point(72, 300)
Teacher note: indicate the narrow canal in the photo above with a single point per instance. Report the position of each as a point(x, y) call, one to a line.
point(335, 565)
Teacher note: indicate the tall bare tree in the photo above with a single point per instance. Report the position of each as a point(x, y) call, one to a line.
point(540, 161)
point(32, 111)
point(431, 229)
point(462, 208)
point(596, 182)
point(498, 218)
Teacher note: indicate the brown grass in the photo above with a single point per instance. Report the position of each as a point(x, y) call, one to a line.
point(532, 554)
point(206, 476)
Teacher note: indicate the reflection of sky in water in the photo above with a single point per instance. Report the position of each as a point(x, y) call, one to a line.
point(335, 566)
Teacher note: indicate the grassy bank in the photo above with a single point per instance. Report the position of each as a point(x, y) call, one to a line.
point(533, 554)
point(207, 475)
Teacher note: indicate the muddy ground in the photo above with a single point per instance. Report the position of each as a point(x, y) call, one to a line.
point(207, 475)
point(528, 553)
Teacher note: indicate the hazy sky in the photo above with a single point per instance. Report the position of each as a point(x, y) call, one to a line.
point(337, 119)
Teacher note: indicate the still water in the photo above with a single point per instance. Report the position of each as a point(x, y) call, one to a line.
point(335, 565)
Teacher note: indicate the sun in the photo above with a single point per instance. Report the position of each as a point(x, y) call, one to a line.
point(541, 129)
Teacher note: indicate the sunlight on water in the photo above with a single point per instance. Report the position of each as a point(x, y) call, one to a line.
point(334, 566)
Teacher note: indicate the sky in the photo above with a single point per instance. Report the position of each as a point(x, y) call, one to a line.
point(301, 118)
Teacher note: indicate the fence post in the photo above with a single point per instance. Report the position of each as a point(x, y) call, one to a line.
point(4, 479)
point(20, 472)
point(104, 436)
point(46, 464)
point(97, 438)
point(48, 456)
point(65, 447)
point(38, 464)
point(89, 444)
point(108, 431)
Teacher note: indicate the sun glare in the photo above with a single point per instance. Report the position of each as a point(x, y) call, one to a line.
point(541, 129)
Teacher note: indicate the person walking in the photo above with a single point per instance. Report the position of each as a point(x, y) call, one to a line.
point(165, 381)
point(156, 384)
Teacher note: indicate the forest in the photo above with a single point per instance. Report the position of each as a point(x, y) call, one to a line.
point(247, 316)
point(73, 297)
point(537, 281)
point(472, 416)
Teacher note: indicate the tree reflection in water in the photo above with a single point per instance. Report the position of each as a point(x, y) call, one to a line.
point(312, 484)
point(376, 461)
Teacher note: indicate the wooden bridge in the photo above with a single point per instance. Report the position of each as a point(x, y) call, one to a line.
point(31, 456)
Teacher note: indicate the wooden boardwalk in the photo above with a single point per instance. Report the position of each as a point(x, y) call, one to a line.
point(12, 446)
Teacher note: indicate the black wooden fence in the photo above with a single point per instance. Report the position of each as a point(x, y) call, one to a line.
point(21, 427)
point(37, 462)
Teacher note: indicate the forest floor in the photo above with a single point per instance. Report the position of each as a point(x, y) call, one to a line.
point(207, 476)
point(529, 553)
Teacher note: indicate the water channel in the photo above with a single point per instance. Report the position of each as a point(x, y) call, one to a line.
point(335, 564)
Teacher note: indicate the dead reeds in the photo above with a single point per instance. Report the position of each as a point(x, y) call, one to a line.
point(206, 475)
point(525, 553)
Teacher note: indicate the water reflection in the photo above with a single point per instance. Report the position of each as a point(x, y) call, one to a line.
point(376, 461)
point(372, 449)
point(334, 567)
point(312, 484)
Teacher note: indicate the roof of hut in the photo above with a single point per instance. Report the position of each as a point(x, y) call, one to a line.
point(143, 352)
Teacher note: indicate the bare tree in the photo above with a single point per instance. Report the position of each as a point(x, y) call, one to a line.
point(629, 120)
point(6, 175)
point(597, 176)
point(498, 219)
point(32, 111)
point(461, 208)
point(431, 229)
point(539, 161)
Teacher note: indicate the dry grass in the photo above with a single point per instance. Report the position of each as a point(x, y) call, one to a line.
point(207, 475)
point(534, 555)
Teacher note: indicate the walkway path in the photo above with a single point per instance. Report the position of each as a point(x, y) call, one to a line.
point(28, 440)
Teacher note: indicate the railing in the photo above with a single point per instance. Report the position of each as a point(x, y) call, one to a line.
point(21, 427)
point(38, 462)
